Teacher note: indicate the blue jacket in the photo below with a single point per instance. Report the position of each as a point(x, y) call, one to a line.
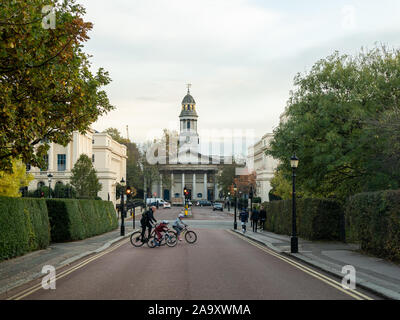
point(244, 216)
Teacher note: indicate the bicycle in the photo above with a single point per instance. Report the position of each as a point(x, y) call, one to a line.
point(190, 236)
point(169, 238)
point(136, 238)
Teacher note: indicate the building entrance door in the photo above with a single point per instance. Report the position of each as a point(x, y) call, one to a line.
point(166, 195)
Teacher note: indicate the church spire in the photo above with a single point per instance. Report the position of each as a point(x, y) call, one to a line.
point(189, 85)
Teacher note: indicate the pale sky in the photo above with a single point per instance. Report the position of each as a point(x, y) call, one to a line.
point(240, 56)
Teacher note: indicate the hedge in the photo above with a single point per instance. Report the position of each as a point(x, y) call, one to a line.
point(72, 219)
point(317, 219)
point(373, 220)
point(24, 226)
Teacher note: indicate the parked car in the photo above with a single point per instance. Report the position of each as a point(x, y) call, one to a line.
point(218, 206)
point(167, 205)
point(204, 203)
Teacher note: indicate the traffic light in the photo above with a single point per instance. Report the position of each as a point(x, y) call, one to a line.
point(128, 190)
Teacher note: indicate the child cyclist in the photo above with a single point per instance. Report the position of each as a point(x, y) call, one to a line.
point(162, 227)
point(179, 225)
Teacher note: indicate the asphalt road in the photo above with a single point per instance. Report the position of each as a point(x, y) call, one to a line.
point(221, 265)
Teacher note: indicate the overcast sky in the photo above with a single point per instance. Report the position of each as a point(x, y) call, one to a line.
point(240, 56)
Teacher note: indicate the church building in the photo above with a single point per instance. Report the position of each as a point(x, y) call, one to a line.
point(189, 168)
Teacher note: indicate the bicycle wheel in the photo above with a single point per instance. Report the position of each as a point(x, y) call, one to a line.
point(151, 242)
point(191, 237)
point(171, 239)
point(136, 239)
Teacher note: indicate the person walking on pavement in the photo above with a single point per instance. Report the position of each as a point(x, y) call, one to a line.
point(244, 218)
point(263, 217)
point(255, 217)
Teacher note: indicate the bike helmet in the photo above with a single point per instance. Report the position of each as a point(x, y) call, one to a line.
point(181, 215)
point(165, 222)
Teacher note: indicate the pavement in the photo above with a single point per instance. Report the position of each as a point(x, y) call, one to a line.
point(373, 274)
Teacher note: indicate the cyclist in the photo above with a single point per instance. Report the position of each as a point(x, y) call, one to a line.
point(179, 225)
point(147, 219)
point(244, 218)
point(162, 227)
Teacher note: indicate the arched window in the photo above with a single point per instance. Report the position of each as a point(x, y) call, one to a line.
point(41, 184)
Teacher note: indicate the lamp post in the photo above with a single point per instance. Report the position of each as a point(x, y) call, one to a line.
point(122, 207)
point(49, 176)
point(235, 222)
point(251, 195)
point(229, 202)
point(294, 243)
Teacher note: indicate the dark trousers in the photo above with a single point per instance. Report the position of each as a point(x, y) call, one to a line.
point(262, 222)
point(255, 224)
point(149, 227)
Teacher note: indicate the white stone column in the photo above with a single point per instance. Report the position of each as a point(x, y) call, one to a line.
point(161, 188)
point(205, 186)
point(172, 186)
point(194, 195)
point(50, 166)
point(183, 184)
point(216, 195)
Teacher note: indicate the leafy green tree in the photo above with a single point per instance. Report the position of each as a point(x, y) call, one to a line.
point(327, 124)
point(281, 187)
point(226, 178)
point(84, 178)
point(10, 183)
point(116, 135)
point(47, 89)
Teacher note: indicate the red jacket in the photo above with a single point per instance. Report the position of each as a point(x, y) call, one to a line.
point(162, 227)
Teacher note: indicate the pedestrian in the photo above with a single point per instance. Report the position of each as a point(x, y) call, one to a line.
point(263, 217)
point(244, 218)
point(255, 215)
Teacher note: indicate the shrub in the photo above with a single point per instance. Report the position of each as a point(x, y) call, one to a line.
point(72, 219)
point(24, 226)
point(317, 219)
point(373, 220)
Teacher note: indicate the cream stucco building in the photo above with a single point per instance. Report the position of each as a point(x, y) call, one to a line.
point(263, 165)
point(108, 158)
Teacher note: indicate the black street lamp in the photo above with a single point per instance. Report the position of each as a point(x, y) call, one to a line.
point(49, 176)
point(122, 207)
point(294, 242)
point(229, 202)
point(235, 222)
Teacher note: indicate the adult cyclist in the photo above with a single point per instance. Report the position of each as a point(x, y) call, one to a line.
point(147, 219)
point(179, 225)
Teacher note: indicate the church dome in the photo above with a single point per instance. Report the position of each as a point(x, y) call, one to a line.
point(188, 99)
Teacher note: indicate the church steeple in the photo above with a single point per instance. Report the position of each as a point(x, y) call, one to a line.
point(188, 119)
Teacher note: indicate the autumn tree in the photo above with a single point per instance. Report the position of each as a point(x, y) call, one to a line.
point(11, 183)
point(47, 90)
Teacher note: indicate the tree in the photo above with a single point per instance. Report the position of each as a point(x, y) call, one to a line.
point(84, 178)
point(116, 135)
point(11, 183)
point(244, 183)
point(327, 120)
point(47, 90)
point(281, 187)
point(226, 178)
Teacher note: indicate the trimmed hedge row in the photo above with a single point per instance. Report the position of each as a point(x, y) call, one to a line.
point(317, 219)
point(373, 220)
point(72, 219)
point(24, 226)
